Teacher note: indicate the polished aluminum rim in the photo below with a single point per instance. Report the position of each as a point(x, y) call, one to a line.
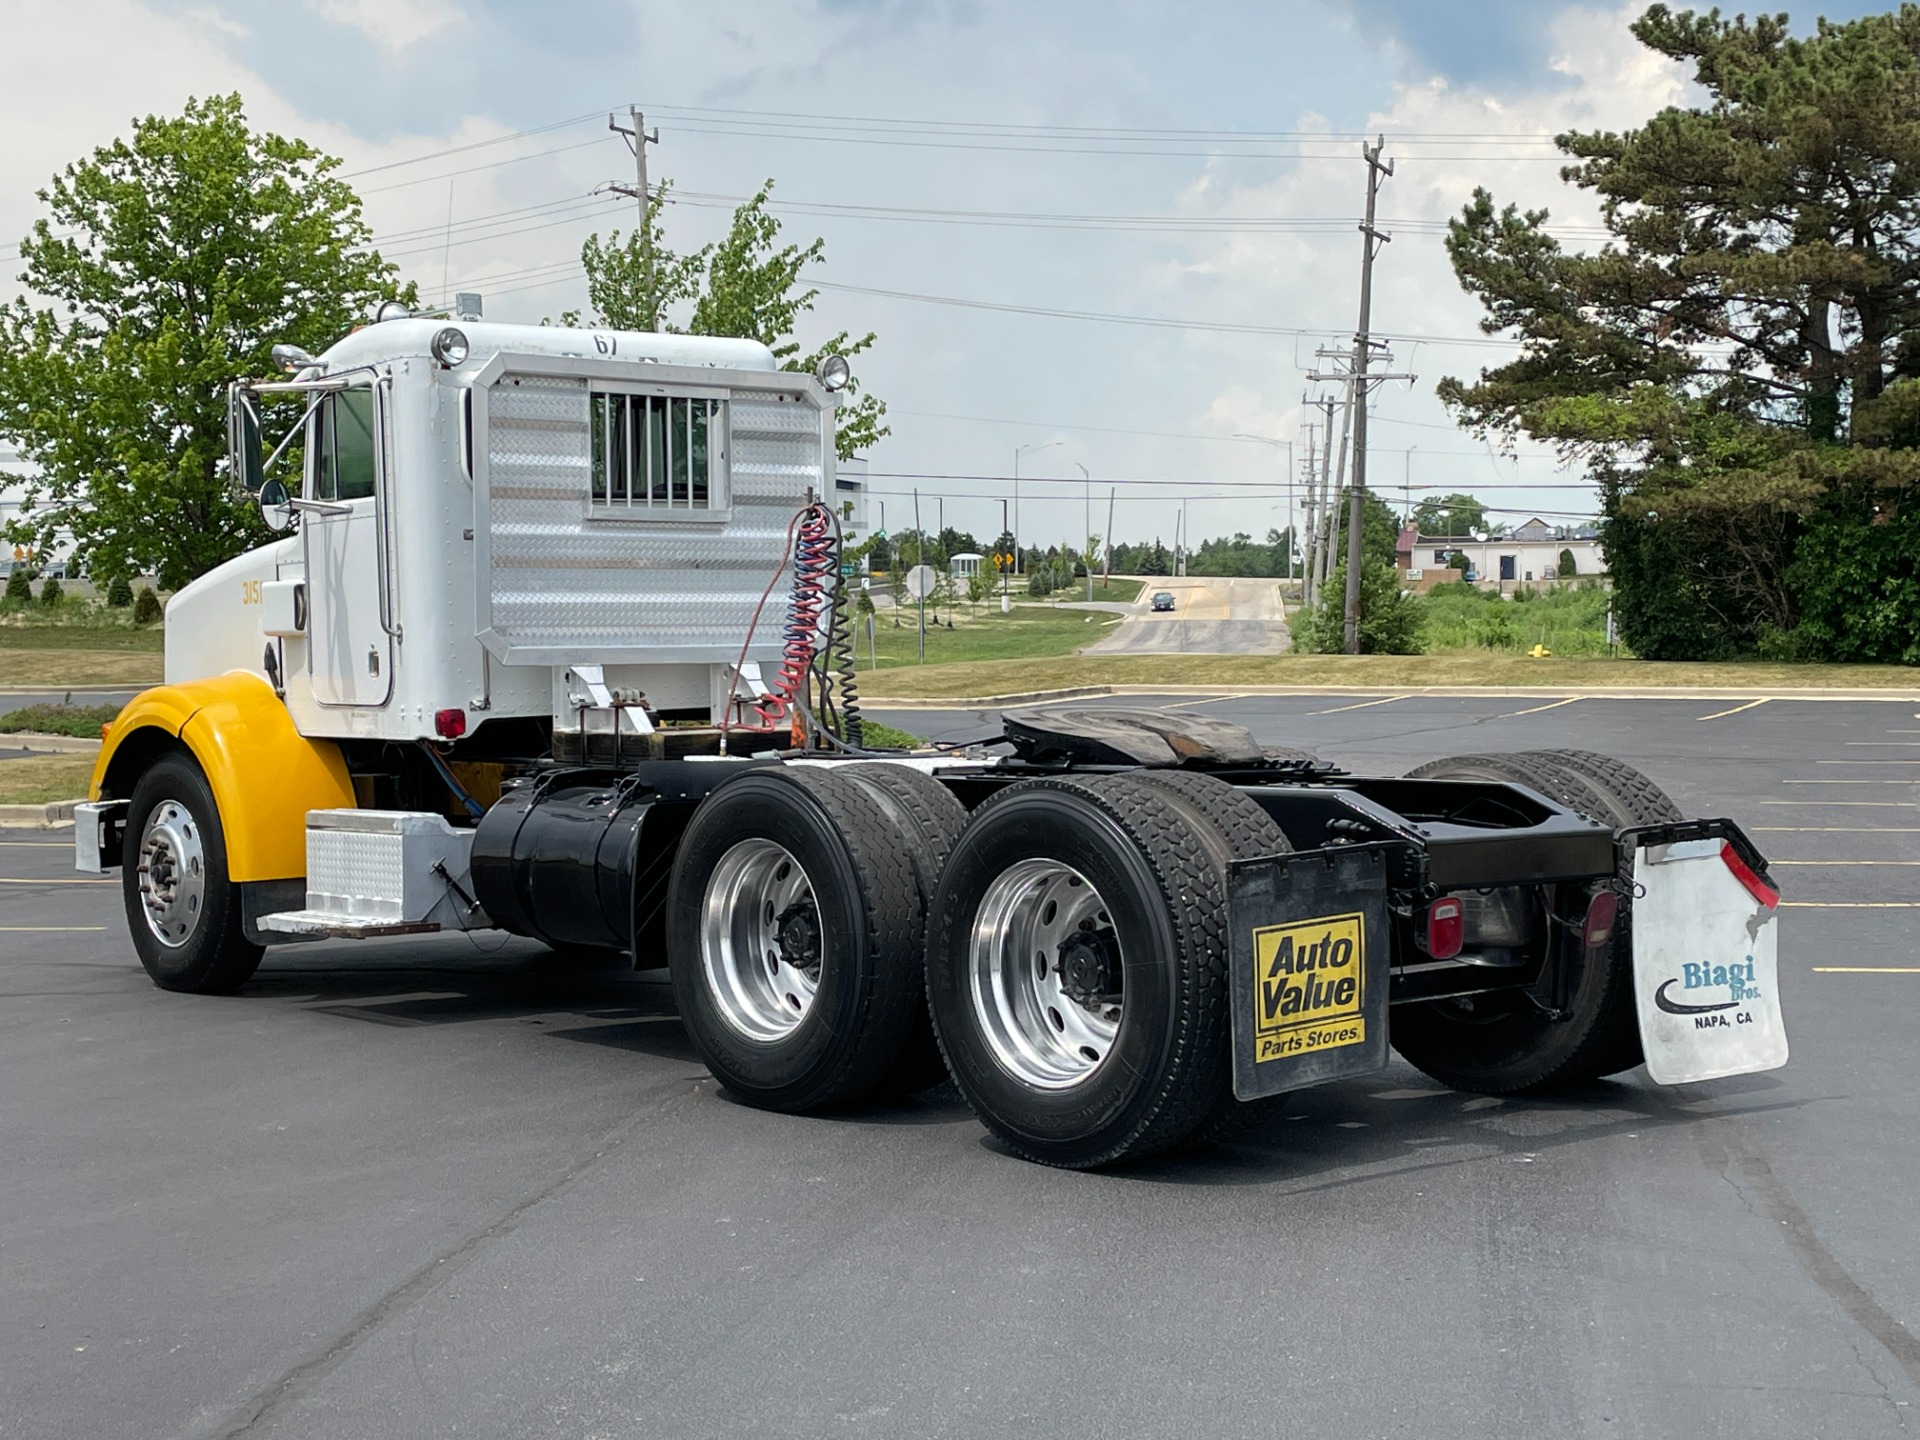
point(760, 942)
point(172, 873)
point(1050, 1020)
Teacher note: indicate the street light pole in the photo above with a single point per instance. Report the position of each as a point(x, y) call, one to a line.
point(1287, 445)
point(1087, 518)
point(1018, 451)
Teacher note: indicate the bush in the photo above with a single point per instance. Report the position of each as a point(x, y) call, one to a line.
point(147, 607)
point(119, 593)
point(1389, 620)
point(1567, 620)
point(1567, 568)
point(1040, 582)
point(19, 587)
point(1857, 578)
point(50, 594)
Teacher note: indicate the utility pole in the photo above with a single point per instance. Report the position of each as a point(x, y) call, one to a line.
point(1086, 477)
point(638, 139)
point(1112, 494)
point(1371, 240)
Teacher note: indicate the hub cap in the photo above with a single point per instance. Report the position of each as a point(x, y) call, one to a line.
point(1044, 971)
point(172, 873)
point(760, 942)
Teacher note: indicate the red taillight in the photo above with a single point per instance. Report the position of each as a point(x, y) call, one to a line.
point(1446, 929)
point(1601, 913)
point(1745, 874)
point(449, 724)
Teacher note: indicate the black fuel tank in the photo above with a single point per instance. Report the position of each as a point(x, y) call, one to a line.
point(582, 857)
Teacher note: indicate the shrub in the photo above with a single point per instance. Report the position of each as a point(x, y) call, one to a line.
point(146, 606)
point(1040, 582)
point(50, 594)
point(120, 593)
point(1567, 568)
point(1389, 620)
point(19, 587)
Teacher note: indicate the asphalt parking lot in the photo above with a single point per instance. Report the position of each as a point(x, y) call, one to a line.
point(441, 1187)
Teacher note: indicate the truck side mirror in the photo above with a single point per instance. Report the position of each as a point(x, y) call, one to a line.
point(276, 506)
point(246, 466)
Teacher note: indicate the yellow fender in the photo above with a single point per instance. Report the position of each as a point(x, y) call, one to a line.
point(265, 775)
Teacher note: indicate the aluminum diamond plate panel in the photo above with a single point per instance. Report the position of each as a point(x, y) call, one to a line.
point(558, 585)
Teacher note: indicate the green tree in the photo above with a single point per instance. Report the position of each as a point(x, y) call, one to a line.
point(119, 593)
point(19, 585)
point(747, 286)
point(1449, 515)
point(170, 263)
point(1568, 569)
point(147, 607)
point(633, 283)
point(1389, 619)
point(1739, 364)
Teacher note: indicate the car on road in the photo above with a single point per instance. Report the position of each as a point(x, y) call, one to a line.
point(1163, 600)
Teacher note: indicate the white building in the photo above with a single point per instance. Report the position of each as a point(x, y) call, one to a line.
point(14, 472)
point(1531, 554)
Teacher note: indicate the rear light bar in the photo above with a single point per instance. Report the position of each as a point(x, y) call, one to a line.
point(1446, 928)
point(1747, 876)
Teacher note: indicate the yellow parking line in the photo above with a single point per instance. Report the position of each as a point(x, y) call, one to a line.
point(1867, 762)
point(1538, 708)
point(1852, 804)
point(1720, 714)
point(7, 881)
point(1835, 829)
point(1866, 969)
point(1850, 782)
point(1364, 704)
point(36, 845)
point(1850, 904)
point(1844, 862)
point(45, 929)
point(1888, 744)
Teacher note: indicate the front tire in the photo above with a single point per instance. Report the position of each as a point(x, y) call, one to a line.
point(182, 910)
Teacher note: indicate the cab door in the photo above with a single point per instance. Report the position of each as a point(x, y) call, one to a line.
point(349, 649)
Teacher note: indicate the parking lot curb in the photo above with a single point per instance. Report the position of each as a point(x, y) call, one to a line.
point(1446, 692)
point(37, 817)
point(49, 744)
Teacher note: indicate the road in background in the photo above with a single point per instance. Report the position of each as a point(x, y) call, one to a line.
point(1210, 617)
point(449, 1186)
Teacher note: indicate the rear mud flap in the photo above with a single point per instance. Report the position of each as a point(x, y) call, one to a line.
point(1308, 967)
point(1706, 939)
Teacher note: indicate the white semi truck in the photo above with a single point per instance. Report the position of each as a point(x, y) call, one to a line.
point(551, 640)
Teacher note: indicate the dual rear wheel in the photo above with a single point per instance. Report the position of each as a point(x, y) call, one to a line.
point(1075, 949)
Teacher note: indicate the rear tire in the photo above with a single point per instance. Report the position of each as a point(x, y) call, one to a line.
point(1105, 890)
point(927, 822)
point(1501, 1043)
point(182, 911)
point(792, 930)
point(1244, 831)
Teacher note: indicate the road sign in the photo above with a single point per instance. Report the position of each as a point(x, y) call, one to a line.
point(920, 581)
point(846, 572)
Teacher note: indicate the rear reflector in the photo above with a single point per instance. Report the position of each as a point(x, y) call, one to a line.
point(1601, 914)
point(1744, 873)
point(1446, 928)
point(449, 724)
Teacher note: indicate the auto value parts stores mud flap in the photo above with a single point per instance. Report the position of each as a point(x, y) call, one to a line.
point(1706, 939)
point(1308, 967)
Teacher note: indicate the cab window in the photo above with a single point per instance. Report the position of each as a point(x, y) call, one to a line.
point(343, 447)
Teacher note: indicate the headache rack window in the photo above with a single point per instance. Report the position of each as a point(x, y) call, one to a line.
point(658, 457)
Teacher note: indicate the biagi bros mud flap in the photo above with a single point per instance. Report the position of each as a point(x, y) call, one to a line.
point(1706, 937)
point(1308, 967)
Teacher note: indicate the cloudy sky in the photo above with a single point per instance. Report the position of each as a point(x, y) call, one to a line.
point(969, 163)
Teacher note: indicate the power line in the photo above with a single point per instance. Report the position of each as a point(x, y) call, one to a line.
point(475, 145)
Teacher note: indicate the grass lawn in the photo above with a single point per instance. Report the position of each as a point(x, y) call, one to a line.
point(38, 779)
point(1031, 630)
point(1457, 668)
point(57, 653)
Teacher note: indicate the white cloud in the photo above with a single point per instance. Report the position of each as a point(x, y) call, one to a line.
point(393, 24)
